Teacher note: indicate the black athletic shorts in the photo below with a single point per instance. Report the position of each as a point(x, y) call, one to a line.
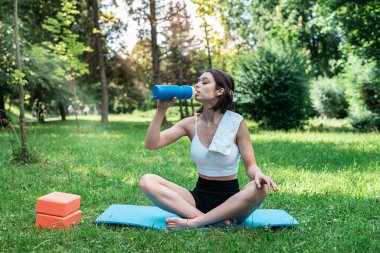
point(209, 194)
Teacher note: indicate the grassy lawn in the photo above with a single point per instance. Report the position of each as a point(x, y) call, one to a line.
point(329, 181)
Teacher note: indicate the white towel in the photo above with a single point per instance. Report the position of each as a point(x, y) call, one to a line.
point(225, 133)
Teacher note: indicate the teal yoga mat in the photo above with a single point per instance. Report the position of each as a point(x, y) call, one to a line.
point(154, 217)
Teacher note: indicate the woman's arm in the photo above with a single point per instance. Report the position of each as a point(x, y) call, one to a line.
point(248, 157)
point(154, 138)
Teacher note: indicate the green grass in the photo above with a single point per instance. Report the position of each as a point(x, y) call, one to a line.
point(329, 181)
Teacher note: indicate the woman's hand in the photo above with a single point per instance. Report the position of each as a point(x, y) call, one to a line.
point(163, 105)
point(260, 179)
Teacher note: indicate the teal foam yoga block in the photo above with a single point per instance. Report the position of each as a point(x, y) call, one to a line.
point(154, 217)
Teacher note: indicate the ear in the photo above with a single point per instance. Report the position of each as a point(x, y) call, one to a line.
point(219, 92)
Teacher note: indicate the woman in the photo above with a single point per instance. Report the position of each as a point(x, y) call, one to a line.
point(219, 137)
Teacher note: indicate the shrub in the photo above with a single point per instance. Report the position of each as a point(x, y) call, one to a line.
point(365, 121)
point(362, 82)
point(272, 87)
point(370, 92)
point(363, 86)
point(328, 98)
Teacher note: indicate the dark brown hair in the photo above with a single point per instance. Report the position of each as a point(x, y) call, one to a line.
point(225, 81)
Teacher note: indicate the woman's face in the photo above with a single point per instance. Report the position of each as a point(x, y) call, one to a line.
point(205, 89)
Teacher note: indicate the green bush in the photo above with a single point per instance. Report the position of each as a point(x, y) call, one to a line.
point(362, 83)
point(366, 121)
point(272, 87)
point(147, 104)
point(328, 98)
point(371, 95)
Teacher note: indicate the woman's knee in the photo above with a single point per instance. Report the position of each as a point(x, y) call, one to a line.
point(255, 193)
point(263, 190)
point(147, 182)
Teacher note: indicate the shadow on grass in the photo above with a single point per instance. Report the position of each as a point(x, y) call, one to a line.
point(321, 155)
point(316, 129)
point(316, 156)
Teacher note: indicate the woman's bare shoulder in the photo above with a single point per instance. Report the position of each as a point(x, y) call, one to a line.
point(243, 129)
point(187, 123)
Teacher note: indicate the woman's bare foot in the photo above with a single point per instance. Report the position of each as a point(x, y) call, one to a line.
point(177, 224)
point(223, 224)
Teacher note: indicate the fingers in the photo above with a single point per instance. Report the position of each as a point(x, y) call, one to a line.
point(271, 183)
point(166, 103)
point(268, 182)
point(257, 181)
point(274, 185)
point(171, 101)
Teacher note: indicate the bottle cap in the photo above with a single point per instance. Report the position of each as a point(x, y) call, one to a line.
point(193, 96)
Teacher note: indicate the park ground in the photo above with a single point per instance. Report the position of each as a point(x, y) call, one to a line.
point(329, 179)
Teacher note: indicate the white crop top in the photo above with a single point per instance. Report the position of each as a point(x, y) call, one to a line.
point(210, 163)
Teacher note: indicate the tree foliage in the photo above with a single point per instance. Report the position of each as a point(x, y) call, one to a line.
point(56, 37)
point(273, 87)
point(360, 21)
point(66, 43)
point(329, 98)
point(307, 24)
point(207, 9)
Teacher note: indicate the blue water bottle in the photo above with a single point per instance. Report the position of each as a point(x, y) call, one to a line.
point(166, 92)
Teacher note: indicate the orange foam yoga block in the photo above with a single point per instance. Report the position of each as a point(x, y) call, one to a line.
point(58, 204)
point(54, 222)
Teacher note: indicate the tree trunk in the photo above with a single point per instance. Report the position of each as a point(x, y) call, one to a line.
point(208, 44)
point(187, 109)
point(62, 111)
point(2, 102)
point(180, 109)
point(102, 67)
point(10, 103)
point(21, 87)
point(76, 105)
point(192, 107)
point(155, 48)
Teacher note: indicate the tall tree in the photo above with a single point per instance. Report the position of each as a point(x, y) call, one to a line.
point(206, 9)
point(155, 47)
point(154, 16)
point(19, 78)
point(102, 67)
point(66, 44)
point(178, 66)
point(312, 25)
point(7, 56)
point(145, 11)
point(32, 13)
point(361, 22)
point(309, 24)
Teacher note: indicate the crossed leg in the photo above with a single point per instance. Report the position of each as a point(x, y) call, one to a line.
point(169, 196)
point(239, 206)
point(178, 200)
